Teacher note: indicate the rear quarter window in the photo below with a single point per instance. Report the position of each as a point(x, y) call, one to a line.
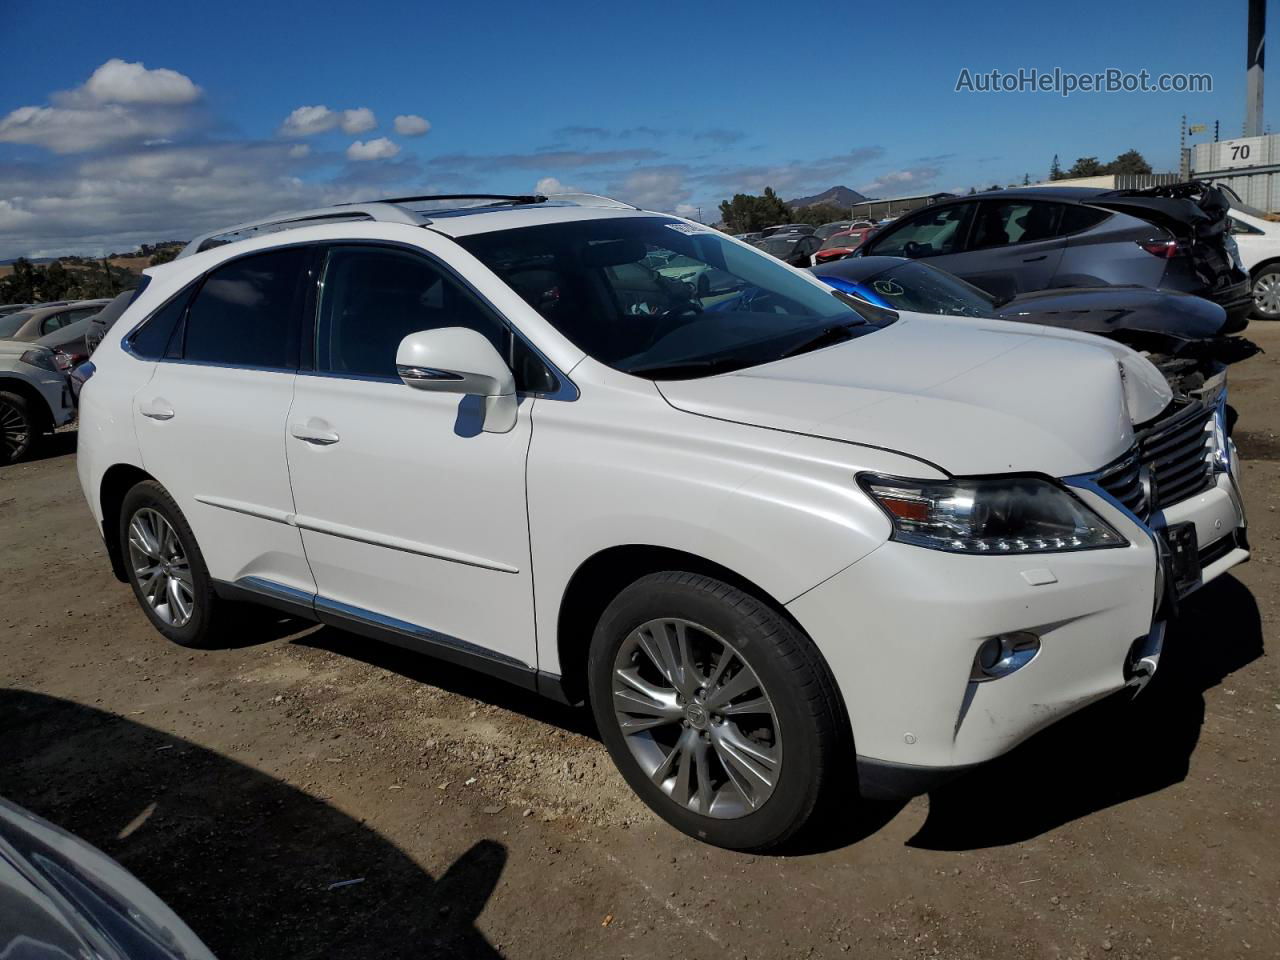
point(1076, 218)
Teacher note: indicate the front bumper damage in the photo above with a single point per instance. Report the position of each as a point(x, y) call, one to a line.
point(901, 629)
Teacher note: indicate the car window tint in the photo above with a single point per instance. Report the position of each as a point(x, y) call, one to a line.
point(1077, 218)
point(151, 339)
point(1239, 227)
point(244, 312)
point(927, 234)
point(1004, 222)
point(373, 298)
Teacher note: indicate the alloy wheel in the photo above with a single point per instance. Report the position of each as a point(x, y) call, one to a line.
point(697, 718)
point(1266, 294)
point(15, 432)
point(161, 567)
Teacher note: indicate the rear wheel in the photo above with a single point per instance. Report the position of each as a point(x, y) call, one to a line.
point(166, 568)
point(717, 710)
point(20, 428)
point(1266, 293)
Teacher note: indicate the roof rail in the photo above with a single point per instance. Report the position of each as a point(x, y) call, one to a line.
point(504, 197)
point(591, 200)
point(390, 210)
point(382, 211)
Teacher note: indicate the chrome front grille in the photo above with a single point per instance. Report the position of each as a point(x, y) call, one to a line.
point(1171, 461)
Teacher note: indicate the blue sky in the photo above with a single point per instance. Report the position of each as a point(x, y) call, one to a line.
point(673, 107)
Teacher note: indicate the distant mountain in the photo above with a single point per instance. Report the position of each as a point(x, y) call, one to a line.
point(840, 196)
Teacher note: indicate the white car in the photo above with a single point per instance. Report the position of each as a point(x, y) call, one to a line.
point(1258, 241)
point(35, 397)
point(766, 537)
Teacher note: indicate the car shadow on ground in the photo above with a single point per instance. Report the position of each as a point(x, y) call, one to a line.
point(60, 444)
point(472, 684)
point(246, 860)
point(1111, 752)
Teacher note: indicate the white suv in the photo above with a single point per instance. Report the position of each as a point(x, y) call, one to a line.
point(35, 396)
point(766, 530)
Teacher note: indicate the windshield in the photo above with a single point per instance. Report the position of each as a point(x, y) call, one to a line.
point(841, 240)
point(925, 289)
point(646, 293)
point(827, 229)
point(12, 323)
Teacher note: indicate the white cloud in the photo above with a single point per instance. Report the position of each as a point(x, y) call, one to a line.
point(117, 81)
point(379, 149)
point(411, 125)
point(300, 150)
point(307, 121)
point(358, 120)
point(655, 188)
point(116, 201)
point(550, 185)
point(75, 130)
point(687, 210)
point(900, 180)
point(119, 102)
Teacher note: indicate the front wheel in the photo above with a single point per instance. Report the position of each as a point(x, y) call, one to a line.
point(1266, 293)
point(717, 710)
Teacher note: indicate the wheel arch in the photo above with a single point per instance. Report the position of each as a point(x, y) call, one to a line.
point(602, 576)
point(119, 479)
point(10, 383)
point(1261, 265)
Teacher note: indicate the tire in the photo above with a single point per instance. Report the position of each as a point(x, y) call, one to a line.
point(191, 627)
point(792, 734)
point(1266, 293)
point(20, 428)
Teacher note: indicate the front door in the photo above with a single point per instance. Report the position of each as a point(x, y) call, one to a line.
point(413, 518)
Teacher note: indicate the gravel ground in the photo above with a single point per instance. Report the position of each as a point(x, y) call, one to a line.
point(248, 786)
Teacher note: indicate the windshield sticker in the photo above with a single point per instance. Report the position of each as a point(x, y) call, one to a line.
point(689, 228)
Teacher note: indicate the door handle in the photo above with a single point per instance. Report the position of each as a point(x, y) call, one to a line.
point(314, 431)
point(1043, 256)
point(156, 409)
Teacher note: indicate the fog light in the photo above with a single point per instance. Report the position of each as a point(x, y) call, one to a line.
point(1001, 655)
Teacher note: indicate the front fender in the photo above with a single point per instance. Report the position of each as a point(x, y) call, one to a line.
point(779, 509)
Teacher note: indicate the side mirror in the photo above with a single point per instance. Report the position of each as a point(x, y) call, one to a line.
point(462, 361)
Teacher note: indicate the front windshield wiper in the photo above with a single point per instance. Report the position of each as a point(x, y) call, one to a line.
point(680, 369)
point(825, 337)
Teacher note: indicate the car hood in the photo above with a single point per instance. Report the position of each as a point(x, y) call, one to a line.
point(1106, 310)
point(970, 396)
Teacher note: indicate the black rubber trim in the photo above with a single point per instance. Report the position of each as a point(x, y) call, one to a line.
point(418, 639)
point(884, 780)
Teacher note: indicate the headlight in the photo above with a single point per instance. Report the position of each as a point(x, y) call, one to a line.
point(989, 516)
point(41, 358)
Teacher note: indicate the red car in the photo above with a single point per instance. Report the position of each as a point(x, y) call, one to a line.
point(840, 245)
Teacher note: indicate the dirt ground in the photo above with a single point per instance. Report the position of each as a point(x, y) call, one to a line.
point(247, 785)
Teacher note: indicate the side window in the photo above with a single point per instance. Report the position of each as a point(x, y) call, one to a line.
point(151, 340)
point(245, 312)
point(930, 233)
point(1004, 222)
point(55, 322)
point(1240, 228)
point(1078, 218)
point(374, 297)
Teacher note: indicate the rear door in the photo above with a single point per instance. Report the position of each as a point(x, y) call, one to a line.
point(1014, 247)
point(211, 421)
